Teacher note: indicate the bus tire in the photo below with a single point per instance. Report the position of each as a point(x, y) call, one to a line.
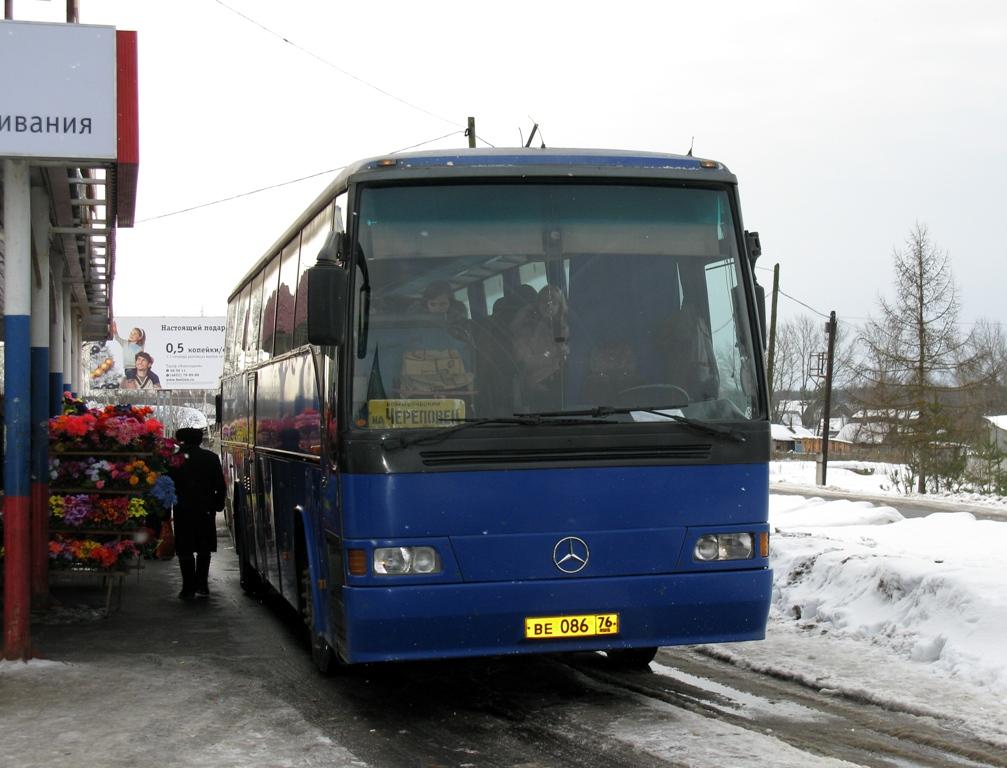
point(322, 654)
point(632, 658)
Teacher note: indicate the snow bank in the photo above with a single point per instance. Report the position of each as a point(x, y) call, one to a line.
point(930, 590)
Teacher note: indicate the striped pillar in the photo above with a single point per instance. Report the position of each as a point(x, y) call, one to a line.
point(56, 338)
point(76, 342)
point(17, 409)
point(67, 340)
point(40, 400)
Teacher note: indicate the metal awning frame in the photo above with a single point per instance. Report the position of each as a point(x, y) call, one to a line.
point(84, 218)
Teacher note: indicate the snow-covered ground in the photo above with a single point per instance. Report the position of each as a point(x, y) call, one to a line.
point(873, 478)
point(911, 613)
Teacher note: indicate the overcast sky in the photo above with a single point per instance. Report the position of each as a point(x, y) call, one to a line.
point(846, 122)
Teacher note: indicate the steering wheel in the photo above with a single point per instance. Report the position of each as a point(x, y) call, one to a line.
point(660, 395)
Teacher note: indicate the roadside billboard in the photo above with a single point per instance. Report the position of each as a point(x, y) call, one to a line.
point(148, 353)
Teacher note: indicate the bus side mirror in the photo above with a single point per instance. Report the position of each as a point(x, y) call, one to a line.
point(327, 285)
point(760, 301)
point(754, 246)
point(218, 407)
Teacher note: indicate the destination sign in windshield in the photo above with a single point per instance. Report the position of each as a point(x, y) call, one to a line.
point(414, 414)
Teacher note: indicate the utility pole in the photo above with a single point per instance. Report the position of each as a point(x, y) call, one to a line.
point(830, 331)
point(772, 332)
point(471, 133)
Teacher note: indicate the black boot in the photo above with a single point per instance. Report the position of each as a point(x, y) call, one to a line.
point(187, 565)
point(202, 574)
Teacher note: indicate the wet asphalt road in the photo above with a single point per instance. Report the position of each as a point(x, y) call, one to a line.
point(228, 681)
point(909, 507)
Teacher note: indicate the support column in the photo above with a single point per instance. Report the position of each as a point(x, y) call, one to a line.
point(56, 346)
point(40, 399)
point(75, 342)
point(67, 340)
point(17, 409)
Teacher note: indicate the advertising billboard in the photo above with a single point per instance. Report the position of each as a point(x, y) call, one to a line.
point(149, 353)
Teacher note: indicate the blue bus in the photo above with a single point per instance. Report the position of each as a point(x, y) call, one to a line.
point(487, 402)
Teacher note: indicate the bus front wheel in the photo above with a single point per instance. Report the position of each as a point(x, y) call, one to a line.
point(322, 654)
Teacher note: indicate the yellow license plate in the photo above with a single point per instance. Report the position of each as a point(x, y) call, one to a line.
point(586, 625)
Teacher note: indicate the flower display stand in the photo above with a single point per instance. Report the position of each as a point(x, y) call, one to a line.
point(108, 492)
point(102, 539)
point(109, 578)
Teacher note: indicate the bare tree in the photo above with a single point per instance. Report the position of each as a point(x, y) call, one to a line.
point(985, 356)
point(787, 369)
point(982, 377)
point(799, 342)
point(913, 351)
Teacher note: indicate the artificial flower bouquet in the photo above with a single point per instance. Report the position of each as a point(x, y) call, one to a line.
point(114, 429)
point(102, 474)
point(89, 553)
point(92, 511)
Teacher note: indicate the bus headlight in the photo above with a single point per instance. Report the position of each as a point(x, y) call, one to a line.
point(398, 561)
point(724, 546)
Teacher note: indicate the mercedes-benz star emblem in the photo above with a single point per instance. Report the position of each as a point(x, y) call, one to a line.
point(571, 554)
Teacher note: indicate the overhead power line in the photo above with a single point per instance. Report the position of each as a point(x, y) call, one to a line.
point(338, 69)
point(803, 304)
point(282, 183)
point(240, 195)
point(422, 143)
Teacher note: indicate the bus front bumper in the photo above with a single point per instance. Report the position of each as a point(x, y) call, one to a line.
point(487, 619)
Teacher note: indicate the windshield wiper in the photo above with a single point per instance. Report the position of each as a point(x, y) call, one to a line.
point(521, 420)
point(600, 411)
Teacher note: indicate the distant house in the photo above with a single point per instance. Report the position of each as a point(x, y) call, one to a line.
point(789, 439)
point(863, 433)
point(837, 447)
point(783, 438)
point(836, 423)
point(998, 431)
point(791, 412)
point(884, 416)
point(872, 427)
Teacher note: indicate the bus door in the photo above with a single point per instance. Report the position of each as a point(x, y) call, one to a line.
point(254, 537)
point(265, 530)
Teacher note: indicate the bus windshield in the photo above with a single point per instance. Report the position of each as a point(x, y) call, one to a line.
point(494, 299)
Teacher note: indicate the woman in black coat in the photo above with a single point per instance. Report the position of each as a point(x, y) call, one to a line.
point(199, 491)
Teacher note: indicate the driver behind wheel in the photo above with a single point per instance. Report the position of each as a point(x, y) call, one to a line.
point(612, 368)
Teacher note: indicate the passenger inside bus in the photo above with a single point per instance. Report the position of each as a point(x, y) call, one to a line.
point(687, 347)
point(496, 347)
point(541, 334)
point(439, 300)
point(497, 366)
point(437, 360)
